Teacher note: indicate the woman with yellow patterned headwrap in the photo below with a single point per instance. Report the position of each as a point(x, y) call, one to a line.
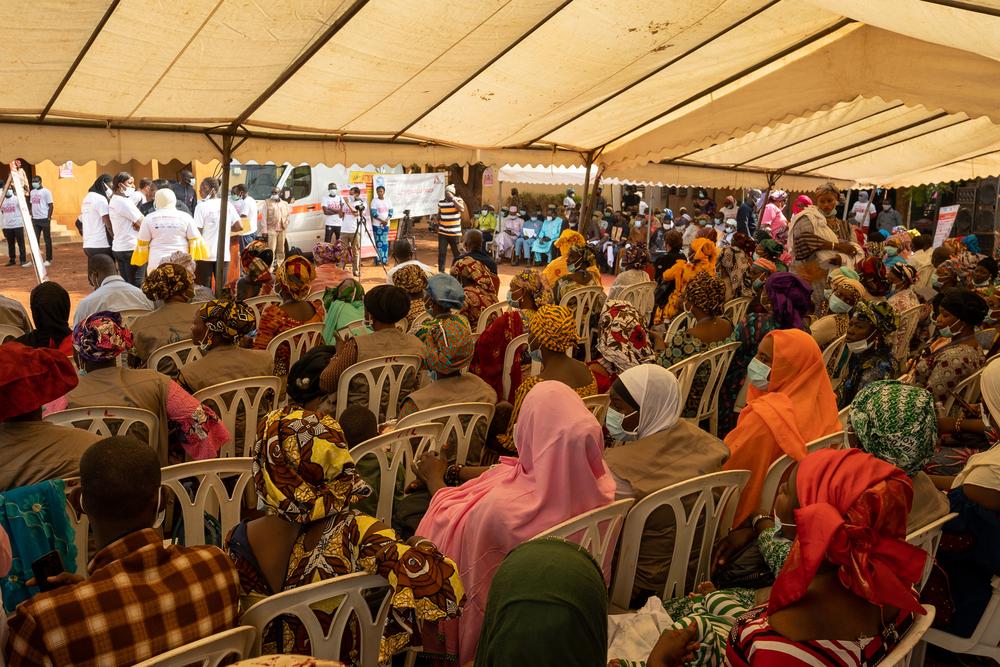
point(221, 329)
point(557, 267)
point(307, 481)
point(552, 332)
point(292, 281)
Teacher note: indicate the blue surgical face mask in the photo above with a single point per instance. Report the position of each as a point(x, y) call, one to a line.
point(778, 525)
point(946, 332)
point(935, 281)
point(511, 301)
point(827, 293)
point(614, 421)
point(759, 374)
point(891, 250)
point(536, 355)
point(838, 305)
point(758, 284)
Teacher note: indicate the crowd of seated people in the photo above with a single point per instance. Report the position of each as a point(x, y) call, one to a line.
point(819, 573)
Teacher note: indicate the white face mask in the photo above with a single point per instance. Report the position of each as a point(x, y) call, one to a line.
point(858, 346)
point(483, 212)
point(759, 374)
point(10, 194)
point(275, 197)
point(191, 181)
point(333, 193)
point(548, 217)
point(129, 191)
point(885, 207)
point(36, 186)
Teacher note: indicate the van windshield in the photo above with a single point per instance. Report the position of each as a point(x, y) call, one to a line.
point(259, 178)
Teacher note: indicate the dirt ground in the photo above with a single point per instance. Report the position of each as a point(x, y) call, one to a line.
point(69, 269)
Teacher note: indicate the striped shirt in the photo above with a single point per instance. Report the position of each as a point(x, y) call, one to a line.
point(449, 218)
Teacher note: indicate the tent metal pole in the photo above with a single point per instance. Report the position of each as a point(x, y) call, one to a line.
point(585, 202)
point(223, 241)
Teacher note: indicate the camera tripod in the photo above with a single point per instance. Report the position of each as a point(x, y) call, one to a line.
point(356, 244)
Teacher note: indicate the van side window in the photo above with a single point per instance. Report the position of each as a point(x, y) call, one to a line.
point(300, 181)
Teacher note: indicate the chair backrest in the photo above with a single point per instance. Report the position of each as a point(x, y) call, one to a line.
point(316, 296)
point(101, 420)
point(708, 501)
point(597, 531)
point(354, 592)
point(381, 374)
point(208, 477)
point(212, 651)
point(451, 416)
point(903, 654)
point(299, 340)
point(832, 353)
point(680, 322)
point(968, 389)
point(9, 332)
point(717, 360)
point(130, 315)
point(394, 452)
point(81, 527)
point(511, 356)
point(598, 406)
point(352, 330)
point(249, 398)
point(928, 538)
point(684, 371)
point(584, 303)
point(640, 295)
point(736, 309)
point(179, 354)
point(908, 321)
point(845, 418)
point(418, 323)
point(776, 471)
point(491, 313)
point(259, 303)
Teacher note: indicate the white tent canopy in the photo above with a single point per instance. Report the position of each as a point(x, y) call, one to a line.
point(891, 92)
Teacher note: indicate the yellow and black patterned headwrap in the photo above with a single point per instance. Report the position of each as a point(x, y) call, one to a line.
point(165, 281)
point(553, 328)
point(227, 321)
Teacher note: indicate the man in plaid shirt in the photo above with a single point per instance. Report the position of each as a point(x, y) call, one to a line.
point(142, 598)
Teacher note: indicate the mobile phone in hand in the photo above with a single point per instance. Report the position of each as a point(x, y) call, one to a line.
point(47, 566)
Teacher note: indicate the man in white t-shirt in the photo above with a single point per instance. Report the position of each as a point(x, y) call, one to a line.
point(206, 218)
point(862, 210)
point(125, 218)
point(334, 210)
point(13, 227)
point(41, 215)
point(246, 207)
point(95, 222)
point(382, 211)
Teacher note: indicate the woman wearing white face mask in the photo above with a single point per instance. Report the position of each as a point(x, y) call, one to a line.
point(125, 222)
point(869, 341)
point(646, 408)
point(790, 402)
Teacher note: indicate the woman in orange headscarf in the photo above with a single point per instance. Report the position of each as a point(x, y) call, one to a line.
point(790, 402)
point(704, 254)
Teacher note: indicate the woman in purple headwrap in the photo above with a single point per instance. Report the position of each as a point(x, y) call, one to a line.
point(785, 302)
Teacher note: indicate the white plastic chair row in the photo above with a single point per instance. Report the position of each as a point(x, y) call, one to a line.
point(259, 303)
point(212, 651)
point(777, 470)
point(250, 398)
point(598, 406)
point(968, 389)
point(596, 531)
point(181, 353)
point(489, 314)
point(736, 309)
point(381, 374)
point(299, 340)
point(832, 354)
point(681, 321)
point(584, 302)
point(110, 421)
point(641, 296)
point(718, 360)
point(451, 417)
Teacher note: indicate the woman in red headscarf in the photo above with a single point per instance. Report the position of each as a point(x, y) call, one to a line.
point(845, 593)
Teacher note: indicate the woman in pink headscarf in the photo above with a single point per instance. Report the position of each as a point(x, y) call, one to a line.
point(801, 202)
point(559, 473)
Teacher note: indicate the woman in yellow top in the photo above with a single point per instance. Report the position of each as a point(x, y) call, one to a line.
point(703, 255)
point(551, 332)
point(557, 267)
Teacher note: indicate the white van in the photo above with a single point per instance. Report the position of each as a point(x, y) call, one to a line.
point(308, 185)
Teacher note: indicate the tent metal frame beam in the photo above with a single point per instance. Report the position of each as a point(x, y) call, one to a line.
point(896, 143)
point(510, 47)
point(801, 44)
point(816, 136)
point(869, 140)
point(657, 70)
point(79, 57)
point(965, 6)
point(299, 63)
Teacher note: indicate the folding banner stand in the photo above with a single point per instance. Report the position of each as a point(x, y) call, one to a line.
point(41, 275)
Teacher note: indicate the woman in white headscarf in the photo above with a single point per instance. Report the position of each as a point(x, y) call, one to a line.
point(659, 449)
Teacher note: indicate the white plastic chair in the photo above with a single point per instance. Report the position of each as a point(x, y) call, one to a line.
point(489, 314)
point(845, 418)
point(209, 475)
point(353, 591)
point(511, 356)
point(98, 419)
point(352, 330)
point(451, 416)
point(181, 353)
point(684, 371)
point(711, 502)
point(9, 332)
point(299, 340)
point(250, 397)
point(584, 302)
point(394, 450)
point(832, 353)
point(968, 389)
point(928, 538)
point(316, 296)
point(211, 651)
point(380, 375)
point(641, 296)
point(718, 360)
point(776, 471)
point(598, 406)
point(680, 322)
point(736, 309)
point(130, 315)
point(418, 323)
point(259, 303)
point(985, 639)
point(906, 651)
point(908, 321)
point(596, 531)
